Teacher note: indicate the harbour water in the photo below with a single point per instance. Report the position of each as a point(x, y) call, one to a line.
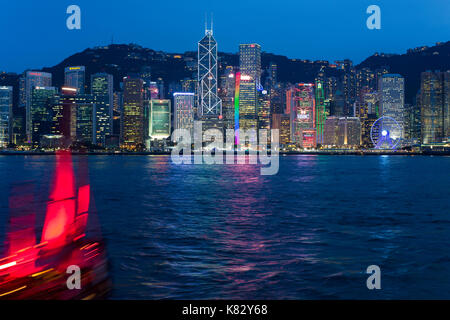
point(226, 232)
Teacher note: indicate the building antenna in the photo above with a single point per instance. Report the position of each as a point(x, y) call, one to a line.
point(212, 22)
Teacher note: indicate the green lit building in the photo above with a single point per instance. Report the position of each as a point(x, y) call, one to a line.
point(160, 119)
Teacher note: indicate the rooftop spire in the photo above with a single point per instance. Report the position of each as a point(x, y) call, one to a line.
point(208, 31)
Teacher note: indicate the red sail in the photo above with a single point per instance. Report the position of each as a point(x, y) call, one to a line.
point(60, 215)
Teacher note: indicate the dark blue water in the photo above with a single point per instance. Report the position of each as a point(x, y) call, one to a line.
point(309, 232)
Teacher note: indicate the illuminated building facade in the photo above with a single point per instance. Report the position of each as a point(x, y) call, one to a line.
point(366, 126)
point(226, 94)
point(285, 129)
point(159, 120)
point(133, 113)
point(153, 90)
point(330, 137)
point(273, 75)
point(209, 103)
point(74, 77)
point(41, 112)
point(320, 111)
point(248, 100)
point(278, 99)
point(371, 99)
point(435, 104)
point(343, 132)
point(302, 111)
point(62, 110)
point(282, 122)
point(349, 131)
point(102, 92)
point(85, 123)
point(73, 116)
point(30, 80)
point(263, 110)
point(363, 110)
point(184, 111)
point(250, 68)
point(6, 103)
point(309, 139)
point(236, 107)
point(392, 97)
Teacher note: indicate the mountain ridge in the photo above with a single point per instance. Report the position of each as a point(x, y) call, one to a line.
point(122, 59)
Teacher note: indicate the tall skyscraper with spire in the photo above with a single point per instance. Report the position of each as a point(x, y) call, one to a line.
point(209, 103)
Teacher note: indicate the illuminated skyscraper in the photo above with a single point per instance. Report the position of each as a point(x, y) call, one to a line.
point(349, 131)
point(146, 76)
point(31, 79)
point(6, 103)
point(41, 112)
point(321, 115)
point(74, 77)
point(282, 123)
point(133, 113)
point(302, 111)
point(348, 81)
point(226, 94)
point(85, 122)
point(342, 132)
point(273, 77)
point(285, 129)
point(154, 90)
point(102, 92)
point(62, 119)
point(392, 97)
point(263, 110)
point(250, 68)
point(160, 119)
point(330, 136)
point(435, 106)
point(209, 104)
point(184, 111)
point(73, 116)
point(446, 85)
point(250, 62)
point(362, 110)
point(371, 100)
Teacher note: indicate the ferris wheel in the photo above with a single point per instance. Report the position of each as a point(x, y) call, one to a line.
point(386, 133)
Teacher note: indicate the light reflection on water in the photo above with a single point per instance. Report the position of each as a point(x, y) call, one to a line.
point(220, 231)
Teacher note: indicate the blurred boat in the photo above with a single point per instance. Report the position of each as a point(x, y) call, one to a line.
point(45, 270)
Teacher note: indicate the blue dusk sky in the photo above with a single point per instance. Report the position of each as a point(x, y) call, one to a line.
point(34, 33)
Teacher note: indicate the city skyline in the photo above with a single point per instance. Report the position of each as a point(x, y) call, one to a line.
point(319, 35)
point(226, 154)
point(365, 107)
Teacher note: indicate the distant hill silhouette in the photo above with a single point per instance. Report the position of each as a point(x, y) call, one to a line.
point(411, 64)
point(122, 59)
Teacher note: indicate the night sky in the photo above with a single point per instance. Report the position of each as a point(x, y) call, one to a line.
point(34, 33)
